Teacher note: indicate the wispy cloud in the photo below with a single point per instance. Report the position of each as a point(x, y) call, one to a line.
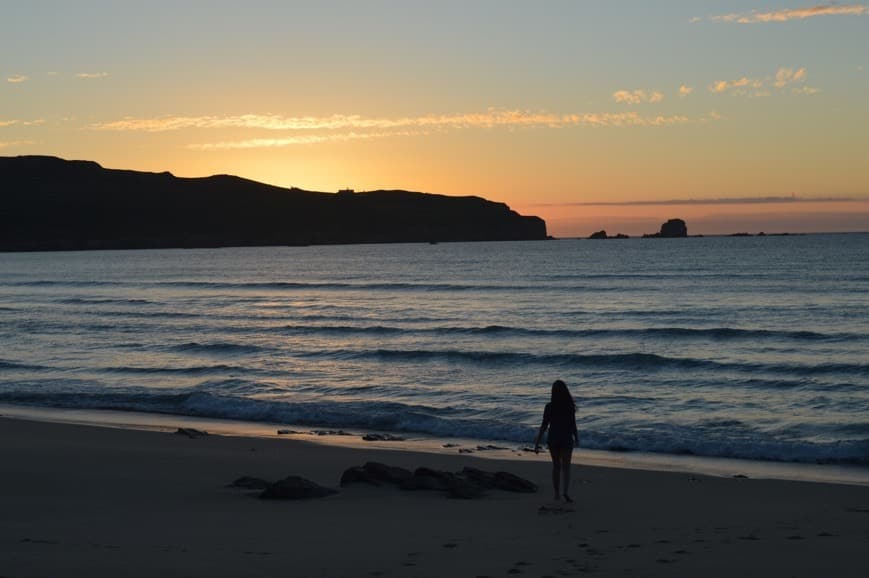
point(15, 143)
point(637, 96)
point(685, 90)
point(787, 14)
point(384, 128)
point(808, 90)
point(296, 140)
point(490, 119)
point(92, 75)
point(784, 78)
point(717, 201)
point(738, 86)
point(16, 122)
point(17, 78)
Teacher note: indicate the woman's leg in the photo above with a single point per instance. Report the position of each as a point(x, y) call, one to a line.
point(566, 455)
point(555, 453)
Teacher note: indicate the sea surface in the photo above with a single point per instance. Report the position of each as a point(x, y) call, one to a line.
point(748, 347)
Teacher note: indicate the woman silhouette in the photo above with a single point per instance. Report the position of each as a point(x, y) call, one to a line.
point(559, 416)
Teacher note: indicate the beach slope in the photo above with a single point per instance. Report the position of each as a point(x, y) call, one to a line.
point(91, 501)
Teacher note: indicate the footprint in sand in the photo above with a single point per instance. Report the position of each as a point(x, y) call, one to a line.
point(38, 541)
point(555, 510)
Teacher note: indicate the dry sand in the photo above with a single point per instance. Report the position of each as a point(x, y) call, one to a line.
point(92, 501)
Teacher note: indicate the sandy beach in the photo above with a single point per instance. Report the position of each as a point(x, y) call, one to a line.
point(95, 501)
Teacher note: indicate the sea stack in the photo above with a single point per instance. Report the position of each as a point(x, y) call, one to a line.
point(671, 229)
point(674, 228)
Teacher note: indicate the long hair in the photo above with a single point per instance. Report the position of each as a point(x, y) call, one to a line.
point(561, 398)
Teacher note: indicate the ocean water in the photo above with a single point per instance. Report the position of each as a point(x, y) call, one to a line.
point(751, 347)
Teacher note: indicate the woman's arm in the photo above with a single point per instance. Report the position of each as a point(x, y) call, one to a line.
point(543, 427)
point(575, 431)
point(539, 437)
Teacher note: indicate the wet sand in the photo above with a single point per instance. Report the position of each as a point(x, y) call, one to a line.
point(93, 501)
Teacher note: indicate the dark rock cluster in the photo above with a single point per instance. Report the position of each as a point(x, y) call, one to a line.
point(295, 488)
point(290, 488)
point(602, 235)
point(378, 437)
point(470, 483)
point(191, 432)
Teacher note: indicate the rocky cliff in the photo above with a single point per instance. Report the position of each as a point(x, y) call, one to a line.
point(49, 203)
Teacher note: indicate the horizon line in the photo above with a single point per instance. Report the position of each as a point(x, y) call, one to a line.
point(715, 201)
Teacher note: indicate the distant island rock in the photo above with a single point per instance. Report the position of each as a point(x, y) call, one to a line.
point(50, 203)
point(673, 228)
point(602, 235)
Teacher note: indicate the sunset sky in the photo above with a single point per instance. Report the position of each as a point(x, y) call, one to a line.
point(737, 115)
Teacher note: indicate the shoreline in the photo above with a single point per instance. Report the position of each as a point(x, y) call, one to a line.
point(81, 500)
point(352, 439)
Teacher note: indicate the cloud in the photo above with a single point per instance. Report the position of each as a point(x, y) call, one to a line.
point(15, 143)
point(785, 76)
point(754, 87)
point(295, 140)
point(808, 90)
point(685, 90)
point(738, 86)
point(787, 14)
point(425, 125)
point(492, 118)
point(17, 78)
point(718, 201)
point(637, 96)
point(34, 122)
point(92, 75)
point(306, 130)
